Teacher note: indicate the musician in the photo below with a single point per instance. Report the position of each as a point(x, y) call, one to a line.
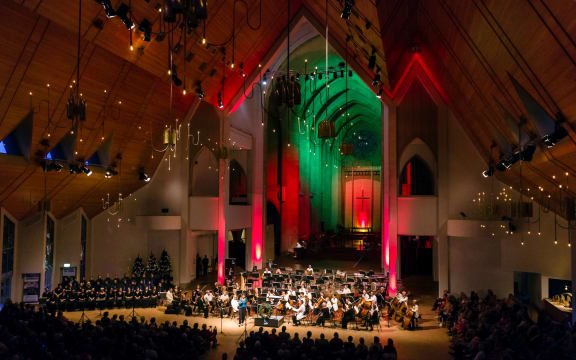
point(267, 272)
point(208, 303)
point(373, 317)
point(300, 313)
point(415, 309)
point(234, 303)
point(169, 296)
point(373, 299)
point(319, 304)
point(223, 300)
point(334, 301)
point(242, 309)
point(349, 313)
point(346, 290)
point(324, 315)
point(278, 271)
point(365, 295)
point(402, 297)
point(309, 270)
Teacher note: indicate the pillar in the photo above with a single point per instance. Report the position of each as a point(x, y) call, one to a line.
point(389, 195)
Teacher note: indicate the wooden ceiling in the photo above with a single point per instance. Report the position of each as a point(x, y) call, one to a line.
point(472, 46)
point(469, 45)
point(39, 47)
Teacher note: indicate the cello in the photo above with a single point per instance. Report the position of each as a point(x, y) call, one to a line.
point(408, 319)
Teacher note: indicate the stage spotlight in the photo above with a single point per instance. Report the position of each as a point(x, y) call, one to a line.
point(123, 13)
point(372, 59)
point(199, 90)
point(551, 140)
point(142, 176)
point(488, 172)
point(379, 95)
point(347, 9)
point(527, 153)
point(146, 28)
point(264, 80)
point(52, 166)
point(376, 80)
point(220, 103)
point(110, 172)
point(74, 169)
point(108, 9)
point(85, 170)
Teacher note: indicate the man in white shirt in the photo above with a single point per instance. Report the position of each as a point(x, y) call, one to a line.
point(299, 313)
point(208, 298)
point(334, 302)
point(267, 272)
point(223, 300)
point(374, 300)
point(169, 297)
point(346, 290)
point(234, 304)
point(310, 270)
point(416, 310)
point(401, 296)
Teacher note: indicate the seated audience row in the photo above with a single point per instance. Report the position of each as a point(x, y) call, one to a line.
point(492, 328)
point(29, 334)
point(271, 345)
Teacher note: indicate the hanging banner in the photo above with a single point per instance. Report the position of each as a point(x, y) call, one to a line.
point(30, 288)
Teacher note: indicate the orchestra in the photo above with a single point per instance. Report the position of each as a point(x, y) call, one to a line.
point(316, 297)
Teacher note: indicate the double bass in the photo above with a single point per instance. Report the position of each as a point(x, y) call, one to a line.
point(408, 318)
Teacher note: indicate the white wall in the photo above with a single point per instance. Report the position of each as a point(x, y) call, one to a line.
point(29, 252)
point(475, 264)
point(476, 259)
point(417, 215)
point(67, 245)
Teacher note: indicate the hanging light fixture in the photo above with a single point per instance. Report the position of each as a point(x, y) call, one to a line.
point(76, 104)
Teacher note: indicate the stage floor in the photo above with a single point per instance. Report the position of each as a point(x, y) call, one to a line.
point(429, 342)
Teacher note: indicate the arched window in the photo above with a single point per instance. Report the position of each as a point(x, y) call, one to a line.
point(238, 184)
point(416, 178)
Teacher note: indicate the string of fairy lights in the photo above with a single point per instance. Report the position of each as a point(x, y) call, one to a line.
point(516, 207)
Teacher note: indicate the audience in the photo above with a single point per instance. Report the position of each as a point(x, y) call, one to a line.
point(492, 328)
point(262, 345)
point(29, 334)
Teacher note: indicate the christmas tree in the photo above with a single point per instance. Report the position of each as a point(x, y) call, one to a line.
point(152, 266)
point(165, 267)
point(138, 267)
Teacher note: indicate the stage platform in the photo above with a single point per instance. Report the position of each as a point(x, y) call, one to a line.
point(273, 321)
point(430, 339)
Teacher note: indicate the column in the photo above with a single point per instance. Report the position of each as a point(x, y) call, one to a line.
point(223, 204)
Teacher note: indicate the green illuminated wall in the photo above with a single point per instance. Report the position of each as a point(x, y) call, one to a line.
point(319, 160)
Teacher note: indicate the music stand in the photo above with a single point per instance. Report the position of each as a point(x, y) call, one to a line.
point(83, 317)
point(134, 313)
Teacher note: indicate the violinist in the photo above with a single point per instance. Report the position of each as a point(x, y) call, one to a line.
point(300, 313)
